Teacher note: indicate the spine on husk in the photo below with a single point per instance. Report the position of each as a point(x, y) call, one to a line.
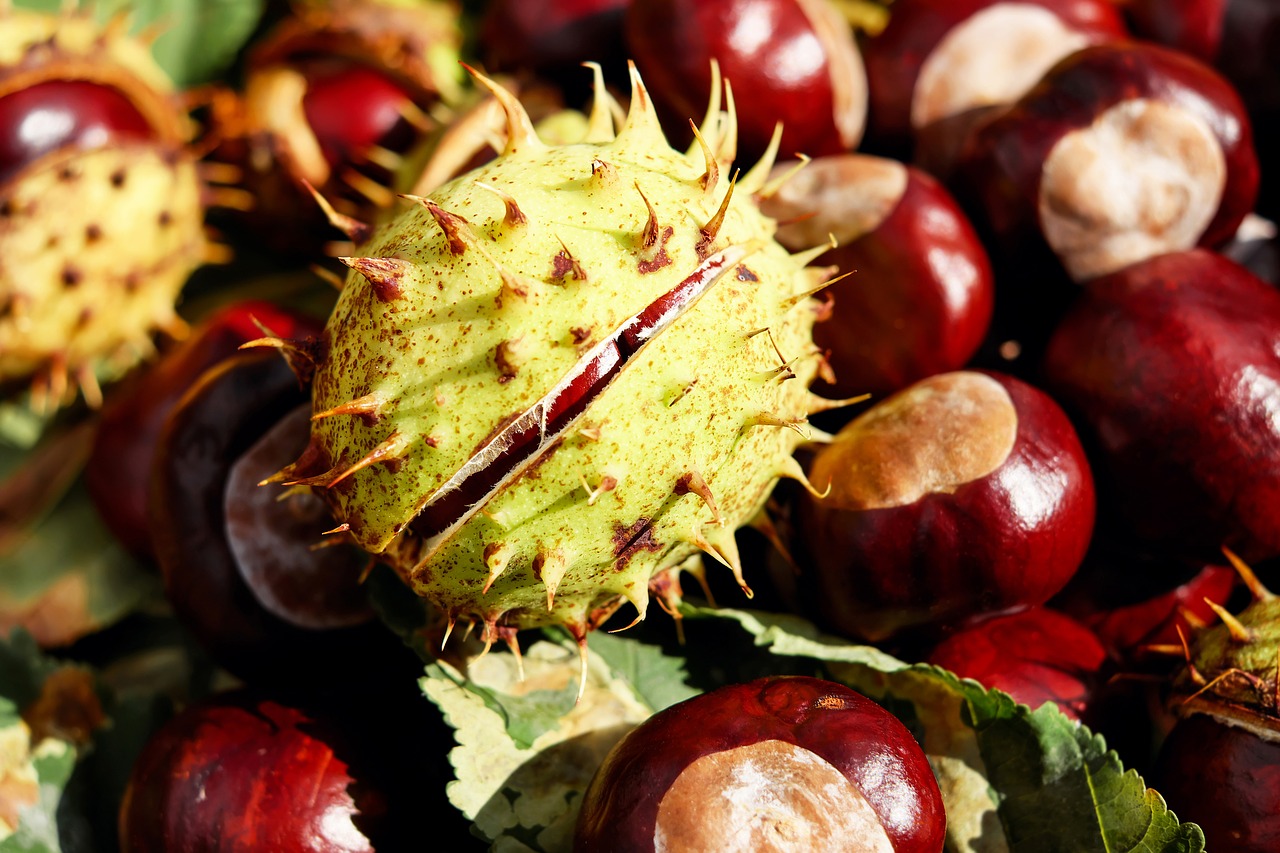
point(1232, 670)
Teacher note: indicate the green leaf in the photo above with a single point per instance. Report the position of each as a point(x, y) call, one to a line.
point(23, 668)
point(526, 797)
point(658, 679)
point(70, 577)
point(199, 38)
point(531, 714)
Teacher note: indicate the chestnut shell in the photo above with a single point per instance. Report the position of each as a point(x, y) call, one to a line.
point(862, 740)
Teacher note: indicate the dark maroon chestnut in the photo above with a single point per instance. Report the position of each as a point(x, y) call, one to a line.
point(118, 472)
point(965, 493)
point(783, 763)
point(553, 37)
point(919, 294)
point(241, 569)
point(242, 772)
point(1173, 368)
point(941, 65)
point(1130, 629)
point(1238, 37)
point(250, 770)
point(1122, 151)
point(1226, 778)
point(1035, 655)
point(795, 59)
point(45, 117)
point(1241, 38)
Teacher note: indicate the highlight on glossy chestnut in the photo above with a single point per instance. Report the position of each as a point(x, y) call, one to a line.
point(224, 774)
point(965, 493)
point(1171, 368)
point(1121, 152)
point(918, 295)
point(779, 764)
point(801, 68)
point(254, 769)
point(57, 114)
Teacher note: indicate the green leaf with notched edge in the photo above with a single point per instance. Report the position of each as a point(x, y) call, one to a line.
point(658, 679)
point(199, 38)
point(1013, 779)
point(527, 797)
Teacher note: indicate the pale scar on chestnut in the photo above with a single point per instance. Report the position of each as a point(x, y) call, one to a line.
point(777, 796)
point(963, 72)
point(816, 202)
point(1145, 178)
point(933, 437)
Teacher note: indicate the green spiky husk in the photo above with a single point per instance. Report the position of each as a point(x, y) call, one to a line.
point(90, 265)
point(456, 327)
point(95, 245)
point(1233, 671)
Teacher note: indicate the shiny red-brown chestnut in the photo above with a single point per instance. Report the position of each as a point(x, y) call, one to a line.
point(795, 60)
point(781, 764)
point(352, 109)
point(1035, 655)
point(1226, 778)
point(45, 117)
point(1122, 151)
point(941, 65)
point(315, 771)
point(965, 493)
point(241, 772)
point(1241, 38)
point(242, 569)
point(919, 294)
point(119, 468)
point(1172, 367)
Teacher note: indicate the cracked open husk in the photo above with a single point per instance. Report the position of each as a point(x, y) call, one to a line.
point(559, 377)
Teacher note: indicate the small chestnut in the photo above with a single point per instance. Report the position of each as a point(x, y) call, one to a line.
point(965, 493)
point(796, 60)
point(942, 67)
point(779, 764)
point(919, 292)
point(1172, 369)
point(1121, 152)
